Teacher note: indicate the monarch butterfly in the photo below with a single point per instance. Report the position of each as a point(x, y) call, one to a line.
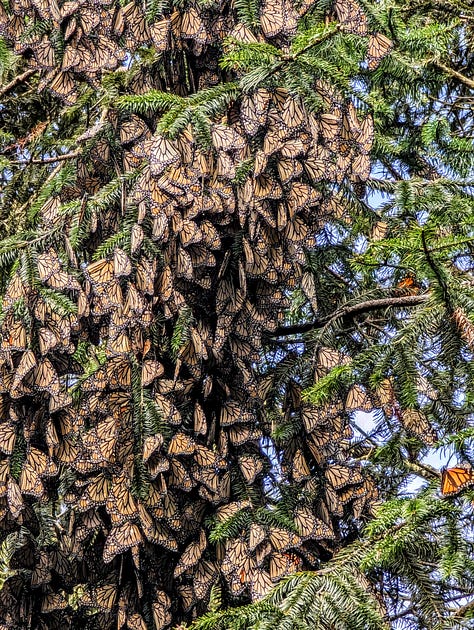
point(44, 54)
point(49, 270)
point(225, 166)
point(136, 26)
point(168, 410)
point(186, 594)
point(120, 503)
point(14, 498)
point(97, 490)
point(104, 597)
point(208, 477)
point(210, 235)
point(236, 554)
point(206, 458)
point(453, 480)
point(4, 473)
point(296, 231)
point(160, 34)
point(87, 523)
point(27, 363)
point(136, 238)
point(141, 83)
point(45, 377)
point(416, 422)
point(150, 371)
point(409, 285)
point(162, 153)
point(256, 535)
point(378, 231)
point(352, 493)
point(281, 564)
point(288, 170)
point(267, 187)
point(384, 393)
point(46, 9)
point(330, 126)
point(130, 161)
point(191, 555)
point(40, 462)
point(99, 442)
point(366, 135)
point(156, 532)
point(293, 117)
point(53, 601)
point(162, 600)
point(136, 622)
point(121, 538)
point(179, 476)
point(272, 19)
point(90, 19)
point(329, 358)
point(379, 47)
point(251, 466)
point(146, 276)
point(358, 399)
point(181, 444)
point(351, 17)
point(282, 539)
point(300, 467)
point(204, 577)
point(241, 434)
point(47, 340)
point(190, 233)
point(310, 527)
point(254, 109)
point(340, 476)
point(121, 263)
point(231, 413)
point(260, 584)
point(41, 573)
point(226, 138)
point(30, 481)
point(64, 86)
point(241, 33)
point(100, 272)
point(192, 27)
point(361, 166)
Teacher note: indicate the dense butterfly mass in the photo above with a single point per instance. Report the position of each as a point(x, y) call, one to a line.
point(115, 440)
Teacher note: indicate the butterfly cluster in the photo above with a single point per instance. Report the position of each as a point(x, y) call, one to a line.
point(131, 418)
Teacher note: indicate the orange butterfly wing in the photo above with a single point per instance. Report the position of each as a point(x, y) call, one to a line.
point(455, 479)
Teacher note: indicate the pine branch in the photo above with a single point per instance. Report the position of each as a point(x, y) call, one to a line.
point(454, 73)
point(352, 310)
point(423, 470)
point(16, 81)
point(50, 160)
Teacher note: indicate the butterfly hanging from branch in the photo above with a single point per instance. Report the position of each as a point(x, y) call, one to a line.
point(453, 480)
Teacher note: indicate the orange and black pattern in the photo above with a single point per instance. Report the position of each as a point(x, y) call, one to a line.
point(116, 442)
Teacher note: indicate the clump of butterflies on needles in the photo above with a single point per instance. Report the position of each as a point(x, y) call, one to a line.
point(132, 422)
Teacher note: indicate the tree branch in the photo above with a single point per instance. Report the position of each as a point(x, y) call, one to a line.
point(454, 73)
point(16, 81)
point(423, 470)
point(351, 310)
point(50, 160)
